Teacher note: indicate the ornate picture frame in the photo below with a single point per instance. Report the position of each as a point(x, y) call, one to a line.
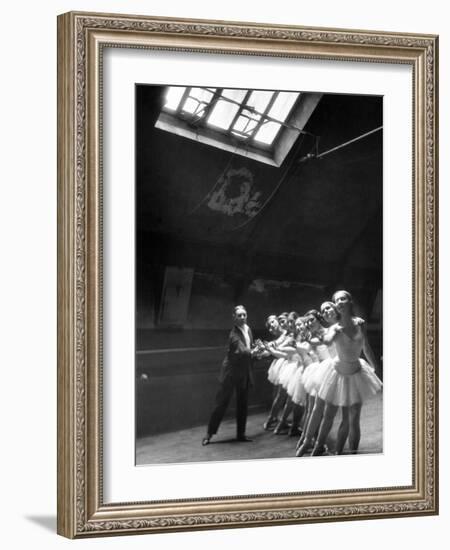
point(82, 39)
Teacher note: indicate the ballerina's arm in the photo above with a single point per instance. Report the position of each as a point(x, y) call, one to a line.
point(278, 353)
point(261, 355)
point(287, 347)
point(367, 349)
point(275, 351)
point(331, 333)
point(315, 341)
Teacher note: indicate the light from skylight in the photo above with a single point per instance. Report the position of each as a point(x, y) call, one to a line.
point(268, 132)
point(249, 119)
point(224, 111)
point(197, 100)
point(282, 105)
point(173, 97)
point(246, 123)
point(241, 112)
point(280, 110)
point(259, 100)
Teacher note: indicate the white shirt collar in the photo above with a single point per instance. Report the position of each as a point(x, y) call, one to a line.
point(246, 332)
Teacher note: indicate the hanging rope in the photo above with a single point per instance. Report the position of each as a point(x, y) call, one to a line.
point(270, 197)
point(320, 155)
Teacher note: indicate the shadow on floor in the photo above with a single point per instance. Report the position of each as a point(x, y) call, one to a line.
point(46, 522)
point(185, 445)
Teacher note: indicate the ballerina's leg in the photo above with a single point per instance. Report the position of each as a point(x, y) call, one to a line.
point(277, 405)
point(282, 424)
point(313, 425)
point(355, 427)
point(325, 428)
point(343, 431)
point(310, 401)
point(297, 414)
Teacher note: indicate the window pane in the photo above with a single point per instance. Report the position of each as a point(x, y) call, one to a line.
point(259, 100)
point(282, 105)
point(248, 120)
point(224, 112)
point(173, 97)
point(280, 110)
point(235, 95)
point(246, 123)
point(268, 132)
point(197, 99)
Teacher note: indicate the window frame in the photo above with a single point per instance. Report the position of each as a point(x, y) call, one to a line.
point(184, 124)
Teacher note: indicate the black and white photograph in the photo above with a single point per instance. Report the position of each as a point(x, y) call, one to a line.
point(259, 274)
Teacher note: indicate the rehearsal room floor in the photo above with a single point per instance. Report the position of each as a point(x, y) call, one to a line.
point(185, 445)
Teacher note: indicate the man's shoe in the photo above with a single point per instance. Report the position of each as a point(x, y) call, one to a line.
point(244, 439)
point(206, 440)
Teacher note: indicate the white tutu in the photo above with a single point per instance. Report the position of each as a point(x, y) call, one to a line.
point(274, 370)
point(314, 375)
point(287, 370)
point(296, 389)
point(346, 383)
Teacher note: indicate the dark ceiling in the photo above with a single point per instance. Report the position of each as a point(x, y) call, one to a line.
point(320, 221)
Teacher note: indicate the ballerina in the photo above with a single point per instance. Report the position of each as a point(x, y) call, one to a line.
point(295, 388)
point(349, 380)
point(330, 316)
point(286, 372)
point(275, 328)
point(283, 319)
point(319, 352)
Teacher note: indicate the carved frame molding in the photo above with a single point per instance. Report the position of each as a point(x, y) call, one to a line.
point(81, 37)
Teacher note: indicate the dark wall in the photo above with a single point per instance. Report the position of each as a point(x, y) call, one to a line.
point(178, 390)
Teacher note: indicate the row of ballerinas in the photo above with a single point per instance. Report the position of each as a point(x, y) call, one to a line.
point(317, 369)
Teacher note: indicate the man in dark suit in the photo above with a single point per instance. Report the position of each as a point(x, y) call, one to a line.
point(235, 375)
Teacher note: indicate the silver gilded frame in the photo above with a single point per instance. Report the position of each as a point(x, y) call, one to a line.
point(81, 39)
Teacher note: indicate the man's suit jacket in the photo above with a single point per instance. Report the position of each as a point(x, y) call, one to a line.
point(237, 365)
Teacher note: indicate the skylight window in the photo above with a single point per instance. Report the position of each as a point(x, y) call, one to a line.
point(262, 125)
point(249, 115)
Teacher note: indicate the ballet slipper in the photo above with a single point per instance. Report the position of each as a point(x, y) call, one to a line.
point(281, 428)
point(300, 441)
point(269, 423)
point(318, 450)
point(303, 449)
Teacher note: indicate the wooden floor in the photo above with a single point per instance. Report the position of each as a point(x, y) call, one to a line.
point(185, 445)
